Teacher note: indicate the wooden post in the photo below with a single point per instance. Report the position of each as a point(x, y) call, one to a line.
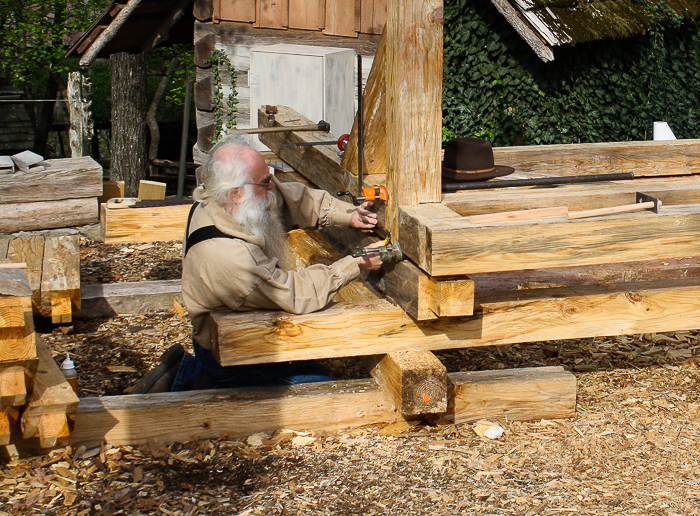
point(414, 104)
point(79, 102)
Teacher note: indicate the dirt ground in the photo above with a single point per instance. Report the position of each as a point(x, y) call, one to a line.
point(631, 449)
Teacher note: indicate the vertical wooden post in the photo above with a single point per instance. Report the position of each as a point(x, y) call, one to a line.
point(79, 103)
point(414, 106)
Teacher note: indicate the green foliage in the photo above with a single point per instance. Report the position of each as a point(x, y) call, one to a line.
point(35, 38)
point(496, 88)
point(224, 111)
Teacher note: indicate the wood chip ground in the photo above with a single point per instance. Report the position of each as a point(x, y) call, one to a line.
point(630, 450)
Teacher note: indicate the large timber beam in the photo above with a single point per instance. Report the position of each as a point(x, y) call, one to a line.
point(374, 118)
point(532, 393)
point(414, 104)
point(374, 327)
point(456, 246)
point(644, 158)
point(671, 191)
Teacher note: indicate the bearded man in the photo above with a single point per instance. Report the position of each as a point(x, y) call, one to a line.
point(235, 258)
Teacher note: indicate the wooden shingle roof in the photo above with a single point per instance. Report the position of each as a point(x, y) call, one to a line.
point(559, 22)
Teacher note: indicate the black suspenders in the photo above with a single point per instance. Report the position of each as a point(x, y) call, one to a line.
point(201, 234)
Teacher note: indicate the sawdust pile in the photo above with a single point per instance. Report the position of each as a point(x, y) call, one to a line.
point(630, 449)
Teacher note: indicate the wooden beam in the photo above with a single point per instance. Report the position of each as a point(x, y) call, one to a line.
point(374, 118)
point(52, 405)
point(374, 327)
point(646, 158)
point(60, 278)
point(180, 417)
point(148, 224)
point(414, 104)
point(29, 216)
point(111, 190)
point(107, 299)
point(151, 190)
point(671, 191)
point(107, 35)
point(66, 178)
point(455, 246)
point(524, 29)
point(512, 394)
point(415, 381)
point(30, 249)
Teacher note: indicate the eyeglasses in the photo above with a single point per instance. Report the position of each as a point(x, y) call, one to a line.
point(266, 184)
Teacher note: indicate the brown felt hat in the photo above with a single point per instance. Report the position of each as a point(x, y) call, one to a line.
point(471, 159)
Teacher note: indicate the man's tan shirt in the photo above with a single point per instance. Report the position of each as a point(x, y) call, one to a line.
point(224, 274)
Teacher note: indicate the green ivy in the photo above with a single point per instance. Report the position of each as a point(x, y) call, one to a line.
point(225, 113)
point(496, 88)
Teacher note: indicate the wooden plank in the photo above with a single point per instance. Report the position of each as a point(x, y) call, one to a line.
point(319, 164)
point(367, 16)
point(374, 120)
point(24, 160)
point(111, 190)
point(151, 224)
point(455, 246)
point(66, 178)
point(30, 249)
point(60, 278)
point(107, 299)
point(29, 216)
point(509, 216)
point(416, 381)
point(342, 18)
point(8, 420)
point(671, 191)
point(647, 158)
point(53, 404)
point(414, 105)
point(272, 14)
point(237, 11)
point(374, 327)
point(151, 190)
point(178, 417)
point(380, 16)
point(307, 14)
point(13, 391)
point(512, 394)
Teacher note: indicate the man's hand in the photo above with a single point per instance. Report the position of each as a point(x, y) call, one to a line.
point(370, 262)
point(362, 217)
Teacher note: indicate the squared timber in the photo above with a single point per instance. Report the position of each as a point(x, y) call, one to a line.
point(455, 246)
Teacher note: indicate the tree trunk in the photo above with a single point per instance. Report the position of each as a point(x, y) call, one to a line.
point(128, 146)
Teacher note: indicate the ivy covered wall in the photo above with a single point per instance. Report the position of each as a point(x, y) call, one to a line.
point(496, 88)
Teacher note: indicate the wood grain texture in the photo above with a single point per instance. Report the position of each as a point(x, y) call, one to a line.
point(108, 299)
point(13, 391)
point(29, 216)
point(307, 14)
point(152, 224)
point(52, 396)
point(151, 190)
point(647, 158)
point(414, 105)
point(13, 282)
point(374, 120)
point(60, 278)
point(8, 420)
point(179, 417)
point(416, 381)
point(506, 216)
point(240, 10)
point(455, 246)
point(671, 191)
point(375, 327)
point(30, 249)
point(17, 339)
point(66, 178)
point(4, 244)
point(342, 18)
point(513, 394)
point(272, 14)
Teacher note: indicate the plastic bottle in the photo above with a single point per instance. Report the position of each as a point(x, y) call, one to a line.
point(68, 370)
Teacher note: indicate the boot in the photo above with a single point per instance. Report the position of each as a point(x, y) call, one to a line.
point(161, 377)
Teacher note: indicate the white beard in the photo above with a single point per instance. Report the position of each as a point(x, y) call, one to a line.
point(261, 217)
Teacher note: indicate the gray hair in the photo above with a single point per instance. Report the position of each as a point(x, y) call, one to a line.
point(224, 171)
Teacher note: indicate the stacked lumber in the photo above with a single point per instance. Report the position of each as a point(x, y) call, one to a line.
point(52, 261)
point(18, 354)
point(143, 221)
point(59, 193)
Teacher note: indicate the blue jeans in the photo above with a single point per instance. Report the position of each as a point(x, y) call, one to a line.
point(278, 373)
